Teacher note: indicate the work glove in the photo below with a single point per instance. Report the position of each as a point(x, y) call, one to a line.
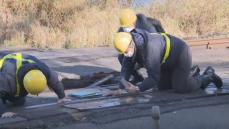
point(8, 115)
point(116, 92)
point(132, 89)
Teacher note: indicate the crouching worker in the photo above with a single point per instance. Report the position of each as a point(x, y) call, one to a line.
point(21, 75)
point(167, 60)
point(129, 20)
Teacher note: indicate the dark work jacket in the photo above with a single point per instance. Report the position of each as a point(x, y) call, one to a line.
point(145, 23)
point(150, 50)
point(8, 77)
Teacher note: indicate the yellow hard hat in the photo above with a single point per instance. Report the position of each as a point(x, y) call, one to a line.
point(122, 41)
point(127, 18)
point(34, 82)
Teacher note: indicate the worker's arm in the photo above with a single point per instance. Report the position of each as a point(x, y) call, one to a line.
point(52, 77)
point(2, 105)
point(144, 24)
point(152, 58)
point(126, 70)
point(128, 63)
point(127, 67)
point(56, 85)
point(153, 64)
point(4, 89)
point(3, 110)
point(156, 23)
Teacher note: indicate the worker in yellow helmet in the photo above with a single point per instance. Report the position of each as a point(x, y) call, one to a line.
point(129, 20)
point(167, 60)
point(24, 74)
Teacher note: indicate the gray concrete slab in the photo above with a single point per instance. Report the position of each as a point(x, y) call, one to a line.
point(211, 117)
point(55, 117)
point(77, 64)
point(11, 120)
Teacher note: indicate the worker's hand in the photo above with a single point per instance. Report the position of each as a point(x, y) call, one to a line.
point(132, 89)
point(64, 101)
point(115, 93)
point(8, 115)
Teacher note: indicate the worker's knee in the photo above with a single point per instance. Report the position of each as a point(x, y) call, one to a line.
point(186, 89)
point(181, 88)
point(181, 91)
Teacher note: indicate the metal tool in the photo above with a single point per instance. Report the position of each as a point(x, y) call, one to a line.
point(101, 81)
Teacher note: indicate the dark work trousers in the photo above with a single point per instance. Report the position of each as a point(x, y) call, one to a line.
point(180, 79)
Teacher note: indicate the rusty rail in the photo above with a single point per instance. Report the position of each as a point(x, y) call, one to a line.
point(208, 42)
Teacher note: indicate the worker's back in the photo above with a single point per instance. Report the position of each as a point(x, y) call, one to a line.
point(146, 23)
point(9, 74)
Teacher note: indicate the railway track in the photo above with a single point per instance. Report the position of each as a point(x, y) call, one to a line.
point(219, 42)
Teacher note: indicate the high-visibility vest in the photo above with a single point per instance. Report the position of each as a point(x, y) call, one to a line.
point(19, 60)
point(167, 48)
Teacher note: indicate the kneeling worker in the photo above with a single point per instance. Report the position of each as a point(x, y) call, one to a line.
point(129, 20)
point(167, 60)
point(21, 75)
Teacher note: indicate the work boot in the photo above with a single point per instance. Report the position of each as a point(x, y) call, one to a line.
point(195, 71)
point(209, 76)
point(209, 70)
